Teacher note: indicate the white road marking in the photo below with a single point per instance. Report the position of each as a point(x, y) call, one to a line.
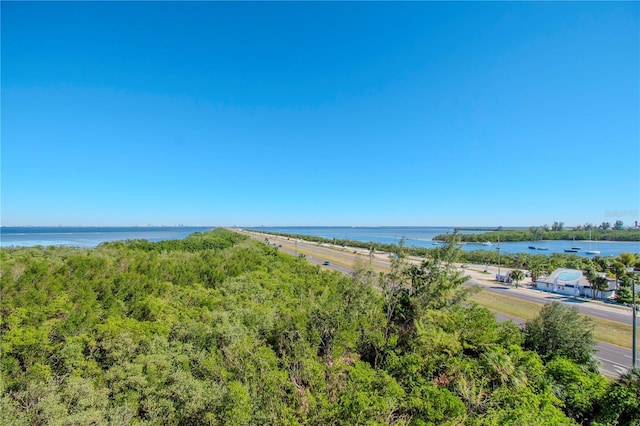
point(621, 370)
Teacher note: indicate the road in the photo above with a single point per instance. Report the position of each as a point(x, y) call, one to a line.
point(617, 313)
point(615, 361)
point(595, 309)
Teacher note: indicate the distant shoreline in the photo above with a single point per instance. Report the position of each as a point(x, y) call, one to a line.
point(538, 234)
point(90, 236)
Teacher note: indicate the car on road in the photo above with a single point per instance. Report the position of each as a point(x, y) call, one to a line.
point(326, 263)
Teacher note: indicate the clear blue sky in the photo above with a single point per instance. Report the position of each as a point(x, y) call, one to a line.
point(126, 113)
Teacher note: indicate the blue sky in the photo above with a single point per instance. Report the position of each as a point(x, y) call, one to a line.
point(126, 113)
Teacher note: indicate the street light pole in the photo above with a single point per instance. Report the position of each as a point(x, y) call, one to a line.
point(634, 308)
point(498, 249)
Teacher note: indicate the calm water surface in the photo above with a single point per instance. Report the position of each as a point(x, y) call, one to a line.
point(414, 236)
point(423, 237)
point(88, 236)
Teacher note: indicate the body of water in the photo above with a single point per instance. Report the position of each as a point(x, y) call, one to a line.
point(414, 236)
point(89, 236)
point(423, 237)
point(606, 248)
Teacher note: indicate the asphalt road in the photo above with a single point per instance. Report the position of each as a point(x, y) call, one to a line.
point(595, 309)
point(615, 361)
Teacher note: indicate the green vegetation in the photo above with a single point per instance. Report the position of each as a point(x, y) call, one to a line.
point(559, 330)
point(516, 275)
point(219, 329)
point(605, 330)
point(620, 405)
point(390, 248)
point(536, 264)
point(545, 233)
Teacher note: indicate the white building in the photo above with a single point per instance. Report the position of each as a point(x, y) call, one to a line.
point(572, 282)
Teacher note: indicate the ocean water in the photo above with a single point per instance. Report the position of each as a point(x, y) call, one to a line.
point(414, 236)
point(417, 236)
point(423, 237)
point(88, 236)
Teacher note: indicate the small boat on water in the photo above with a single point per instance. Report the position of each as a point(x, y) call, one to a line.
point(487, 243)
point(532, 247)
point(592, 251)
point(573, 249)
point(542, 248)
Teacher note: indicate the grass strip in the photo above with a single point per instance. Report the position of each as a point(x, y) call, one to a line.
point(507, 305)
point(605, 330)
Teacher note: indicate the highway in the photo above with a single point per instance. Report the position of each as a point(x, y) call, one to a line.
point(615, 361)
point(617, 313)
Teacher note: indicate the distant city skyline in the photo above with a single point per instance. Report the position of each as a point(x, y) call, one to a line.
point(634, 224)
point(320, 113)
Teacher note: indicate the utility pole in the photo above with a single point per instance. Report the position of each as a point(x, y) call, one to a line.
point(634, 309)
point(498, 249)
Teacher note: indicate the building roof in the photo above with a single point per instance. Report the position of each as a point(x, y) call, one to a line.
point(564, 276)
